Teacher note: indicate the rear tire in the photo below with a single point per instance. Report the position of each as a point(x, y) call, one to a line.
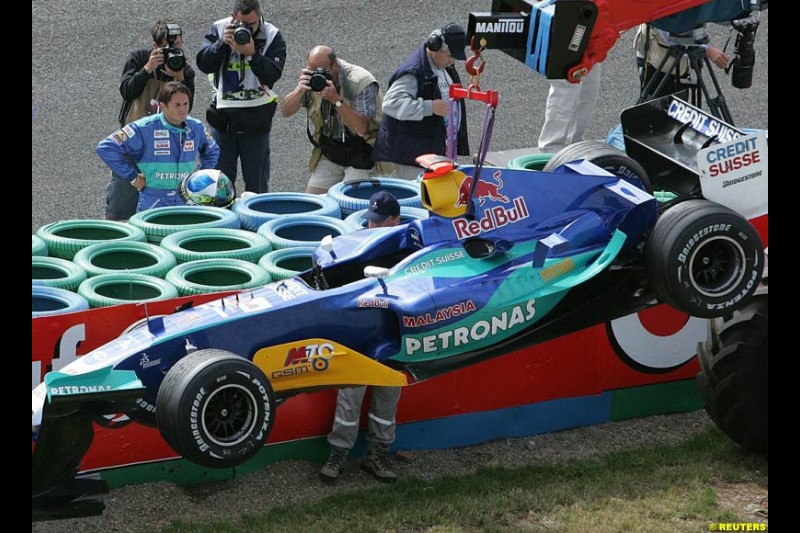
point(215, 408)
point(734, 376)
point(606, 157)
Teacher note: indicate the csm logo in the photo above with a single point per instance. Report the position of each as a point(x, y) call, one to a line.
point(501, 26)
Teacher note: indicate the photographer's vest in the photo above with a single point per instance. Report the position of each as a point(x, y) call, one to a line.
point(402, 141)
point(356, 79)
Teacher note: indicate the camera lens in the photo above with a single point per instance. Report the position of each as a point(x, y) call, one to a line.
point(176, 61)
point(241, 35)
point(319, 79)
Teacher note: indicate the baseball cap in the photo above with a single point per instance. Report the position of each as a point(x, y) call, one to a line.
point(456, 38)
point(382, 205)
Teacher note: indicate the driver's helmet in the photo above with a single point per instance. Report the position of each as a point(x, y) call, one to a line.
point(209, 187)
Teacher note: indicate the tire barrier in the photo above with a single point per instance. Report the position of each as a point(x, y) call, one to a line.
point(255, 210)
point(301, 230)
point(56, 272)
point(407, 214)
point(125, 258)
point(604, 156)
point(65, 237)
point(355, 195)
point(216, 243)
point(287, 262)
point(530, 161)
point(52, 301)
point(39, 246)
point(114, 289)
point(214, 275)
point(159, 222)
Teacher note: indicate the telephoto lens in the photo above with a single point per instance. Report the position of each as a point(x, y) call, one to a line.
point(744, 54)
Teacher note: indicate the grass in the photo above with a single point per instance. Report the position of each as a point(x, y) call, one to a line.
point(651, 489)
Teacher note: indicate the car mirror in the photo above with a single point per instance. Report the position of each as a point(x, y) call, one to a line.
point(483, 248)
point(327, 243)
point(376, 272)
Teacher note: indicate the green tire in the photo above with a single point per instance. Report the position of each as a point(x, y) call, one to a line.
point(216, 243)
point(66, 237)
point(159, 222)
point(530, 161)
point(288, 262)
point(125, 258)
point(57, 273)
point(115, 289)
point(39, 246)
point(216, 275)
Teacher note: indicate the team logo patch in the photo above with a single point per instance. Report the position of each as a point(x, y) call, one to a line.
point(115, 138)
point(188, 146)
point(161, 145)
point(121, 135)
point(129, 130)
point(161, 134)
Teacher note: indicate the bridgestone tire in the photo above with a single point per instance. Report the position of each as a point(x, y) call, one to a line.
point(703, 258)
point(215, 275)
point(407, 214)
point(301, 230)
point(159, 222)
point(288, 262)
point(66, 237)
point(56, 272)
point(355, 195)
point(51, 301)
point(256, 210)
point(115, 289)
point(216, 243)
point(125, 258)
point(734, 376)
point(39, 247)
point(606, 157)
point(530, 161)
point(215, 408)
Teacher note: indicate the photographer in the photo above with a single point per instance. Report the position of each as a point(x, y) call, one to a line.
point(245, 56)
point(343, 106)
point(143, 76)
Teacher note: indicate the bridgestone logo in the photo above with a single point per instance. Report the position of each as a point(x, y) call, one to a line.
point(697, 236)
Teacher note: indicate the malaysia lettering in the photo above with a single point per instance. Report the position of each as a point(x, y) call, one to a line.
point(461, 308)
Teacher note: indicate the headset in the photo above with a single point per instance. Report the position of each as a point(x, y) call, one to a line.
point(435, 40)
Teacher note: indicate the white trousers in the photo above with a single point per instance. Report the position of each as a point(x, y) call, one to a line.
point(569, 110)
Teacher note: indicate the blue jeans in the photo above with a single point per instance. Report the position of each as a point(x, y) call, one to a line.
point(121, 198)
point(253, 150)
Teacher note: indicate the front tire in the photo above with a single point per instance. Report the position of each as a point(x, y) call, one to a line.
point(215, 408)
point(734, 376)
point(703, 258)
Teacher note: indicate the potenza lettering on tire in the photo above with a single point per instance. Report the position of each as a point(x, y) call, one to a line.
point(215, 408)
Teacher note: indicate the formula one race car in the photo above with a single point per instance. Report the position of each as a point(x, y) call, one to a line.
point(512, 259)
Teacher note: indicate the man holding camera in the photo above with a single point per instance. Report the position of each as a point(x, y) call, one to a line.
point(417, 103)
point(144, 74)
point(343, 107)
point(245, 56)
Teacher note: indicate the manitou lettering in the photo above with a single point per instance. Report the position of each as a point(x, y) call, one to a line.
point(493, 218)
point(501, 26)
point(453, 338)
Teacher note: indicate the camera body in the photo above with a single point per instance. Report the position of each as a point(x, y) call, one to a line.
point(241, 32)
point(174, 58)
point(319, 79)
point(744, 54)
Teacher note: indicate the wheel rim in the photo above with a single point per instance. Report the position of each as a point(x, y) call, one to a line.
point(229, 415)
point(717, 266)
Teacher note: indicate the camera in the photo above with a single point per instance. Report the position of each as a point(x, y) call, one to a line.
point(319, 79)
point(174, 57)
point(241, 33)
point(744, 54)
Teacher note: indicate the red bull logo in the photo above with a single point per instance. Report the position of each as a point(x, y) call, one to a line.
point(493, 218)
point(483, 190)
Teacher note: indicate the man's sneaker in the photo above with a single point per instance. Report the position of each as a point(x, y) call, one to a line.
point(333, 467)
point(378, 464)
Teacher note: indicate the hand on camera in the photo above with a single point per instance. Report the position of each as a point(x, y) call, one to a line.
point(330, 93)
point(156, 60)
point(246, 49)
point(718, 57)
point(303, 82)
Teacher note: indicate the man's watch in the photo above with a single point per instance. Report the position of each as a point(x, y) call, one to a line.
point(339, 103)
